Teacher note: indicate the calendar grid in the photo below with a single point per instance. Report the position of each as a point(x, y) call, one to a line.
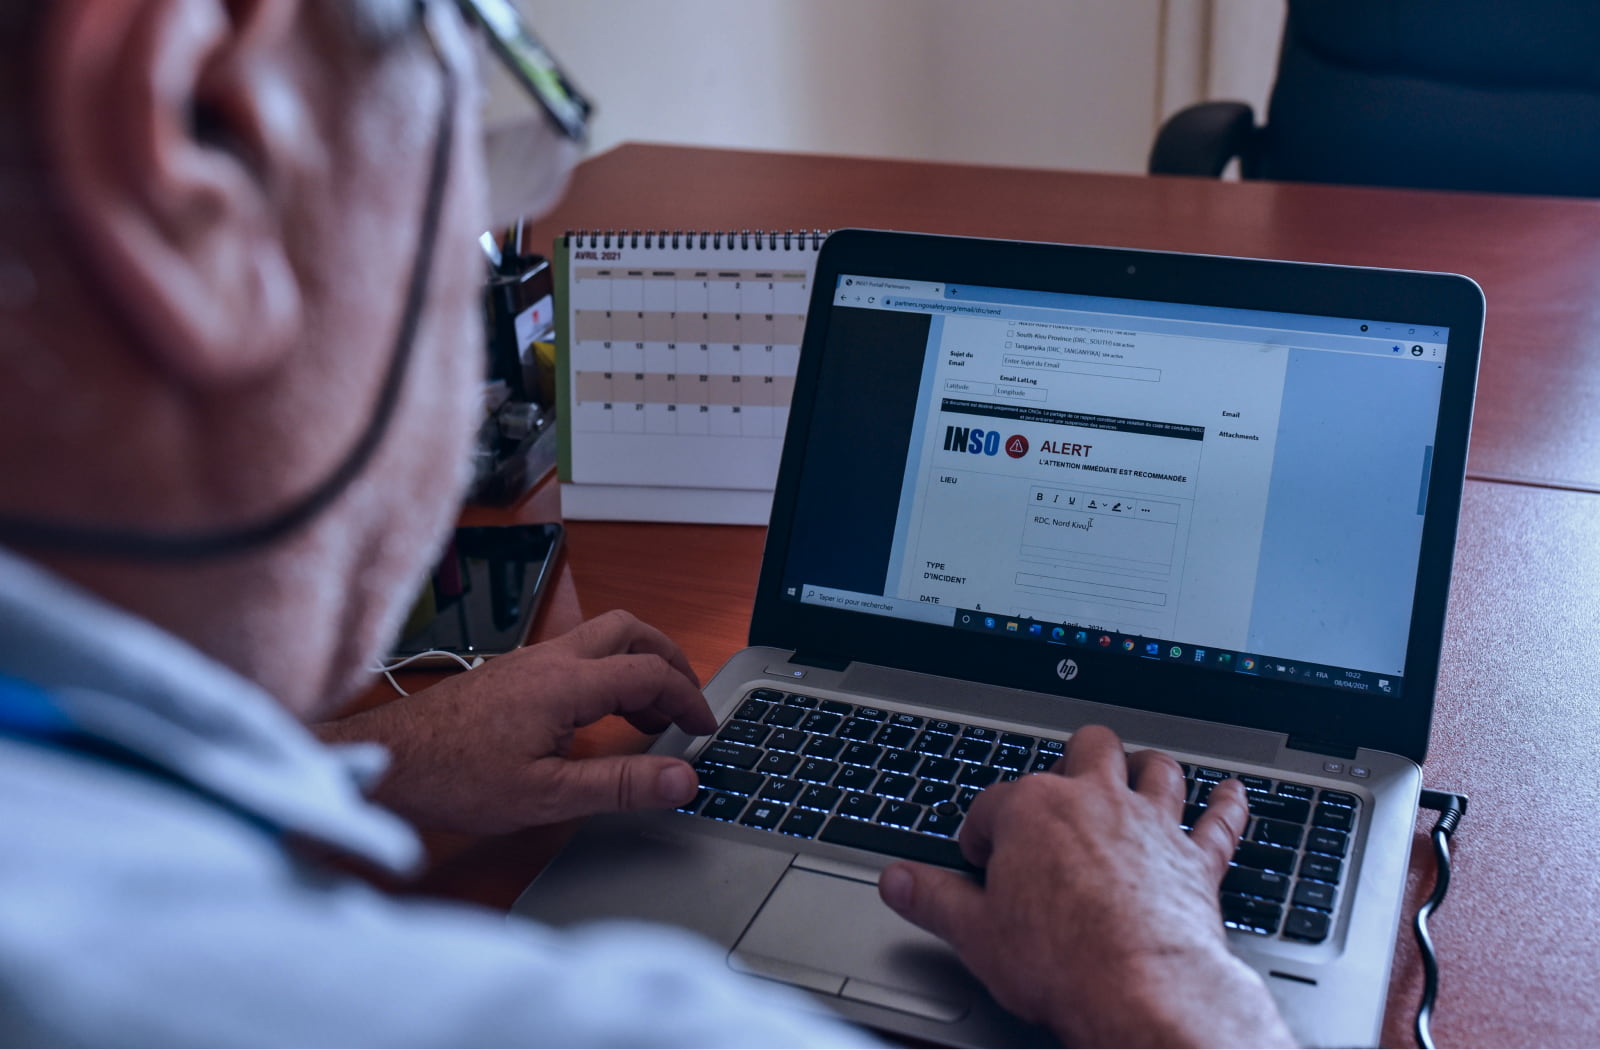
point(679, 365)
point(699, 351)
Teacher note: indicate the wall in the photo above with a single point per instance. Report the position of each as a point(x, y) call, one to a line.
point(1041, 83)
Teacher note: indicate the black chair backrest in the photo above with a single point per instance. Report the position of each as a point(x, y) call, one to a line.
point(1493, 95)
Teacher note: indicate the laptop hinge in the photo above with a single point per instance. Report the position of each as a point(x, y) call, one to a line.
point(827, 663)
point(1322, 747)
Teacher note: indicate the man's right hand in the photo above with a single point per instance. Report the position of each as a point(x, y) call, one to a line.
point(1098, 915)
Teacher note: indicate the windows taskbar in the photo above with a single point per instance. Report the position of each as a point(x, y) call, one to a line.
point(1170, 652)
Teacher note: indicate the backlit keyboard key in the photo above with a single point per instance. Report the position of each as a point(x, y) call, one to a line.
point(896, 736)
point(943, 819)
point(781, 790)
point(736, 755)
point(723, 778)
point(778, 763)
point(1335, 817)
point(823, 747)
point(752, 710)
point(1265, 858)
point(968, 749)
point(821, 722)
point(787, 717)
point(929, 849)
point(861, 754)
point(1323, 868)
point(899, 761)
point(1268, 884)
point(1324, 840)
point(1309, 894)
point(894, 785)
point(858, 729)
point(803, 822)
point(1279, 833)
point(861, 807)
point(977, 776)
point(900, 814)
point(724, 807)
point(740, 732)
point(1293, 810)
point(818, 797)
point(816, 770)
point(855, 778)
point(786, 740)
point(763, 815)
point(1251, 914)
point(1010, 758)
point(1307, 926)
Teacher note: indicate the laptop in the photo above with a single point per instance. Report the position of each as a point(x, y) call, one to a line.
point(1209, 502)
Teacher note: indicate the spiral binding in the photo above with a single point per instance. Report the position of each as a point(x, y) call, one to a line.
point(743, 240)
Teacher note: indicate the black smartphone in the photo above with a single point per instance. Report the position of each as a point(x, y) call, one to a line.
point(483, 594)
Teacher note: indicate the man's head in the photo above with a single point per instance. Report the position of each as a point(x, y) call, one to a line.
point(209, 217)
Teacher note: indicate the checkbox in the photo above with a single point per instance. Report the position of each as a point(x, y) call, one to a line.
point(1008, 346)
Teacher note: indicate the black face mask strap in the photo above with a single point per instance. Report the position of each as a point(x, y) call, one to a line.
point(38, 536)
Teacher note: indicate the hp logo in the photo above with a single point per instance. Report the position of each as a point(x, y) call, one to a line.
point(1067, 670)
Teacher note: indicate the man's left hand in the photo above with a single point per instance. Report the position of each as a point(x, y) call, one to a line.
point(487, 751)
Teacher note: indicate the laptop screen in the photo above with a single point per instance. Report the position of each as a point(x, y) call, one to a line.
point(1234, 491)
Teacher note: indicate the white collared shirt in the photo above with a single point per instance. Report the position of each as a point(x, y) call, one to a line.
point(150, 900)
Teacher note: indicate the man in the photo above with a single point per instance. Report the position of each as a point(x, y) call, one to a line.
point(238, 331)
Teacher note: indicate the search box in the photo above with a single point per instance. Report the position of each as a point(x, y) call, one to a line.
point(1082, 368)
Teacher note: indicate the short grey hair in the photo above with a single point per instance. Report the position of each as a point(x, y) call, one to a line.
point(377, 24)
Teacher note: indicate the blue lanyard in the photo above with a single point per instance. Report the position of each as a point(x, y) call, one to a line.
point(29, 712)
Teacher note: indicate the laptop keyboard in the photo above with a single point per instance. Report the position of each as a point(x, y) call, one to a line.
point(901, 784)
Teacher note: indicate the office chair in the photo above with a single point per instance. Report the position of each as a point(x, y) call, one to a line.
point(1447, 94)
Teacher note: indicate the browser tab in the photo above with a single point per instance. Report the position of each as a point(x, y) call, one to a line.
point(855, 284)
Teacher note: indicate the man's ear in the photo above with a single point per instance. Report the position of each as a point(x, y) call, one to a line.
point(172, 129)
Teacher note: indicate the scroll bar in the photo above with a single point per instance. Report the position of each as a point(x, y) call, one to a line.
point(1427, 473)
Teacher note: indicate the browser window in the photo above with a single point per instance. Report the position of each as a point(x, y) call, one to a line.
point(1230, 488)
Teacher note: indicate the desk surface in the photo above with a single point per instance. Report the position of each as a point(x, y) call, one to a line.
point(1515, 725)
point(1537, 258)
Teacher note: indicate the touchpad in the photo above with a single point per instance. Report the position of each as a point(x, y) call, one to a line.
point(833, 935)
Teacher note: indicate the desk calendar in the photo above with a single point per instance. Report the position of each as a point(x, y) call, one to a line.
point(676, 360)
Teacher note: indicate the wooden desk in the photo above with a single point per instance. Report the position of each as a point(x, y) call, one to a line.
point(1537, 258)
point(1516, 726)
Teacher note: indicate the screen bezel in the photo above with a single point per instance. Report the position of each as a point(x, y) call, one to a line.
point(1315, 715)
